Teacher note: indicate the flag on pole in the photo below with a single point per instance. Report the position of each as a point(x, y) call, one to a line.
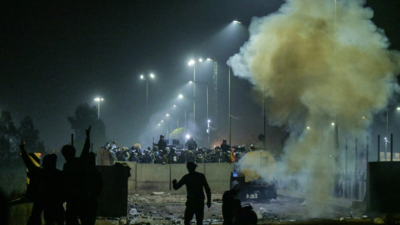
point(232, 156)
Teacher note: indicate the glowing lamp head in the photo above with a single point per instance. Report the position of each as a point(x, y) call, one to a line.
point(167, 114)
point(191, 62)
point(190, 82)
point(308, 128)
point(200, 60)
point(142, 77)
point(162, 121)
point(187, 136)
point(209, 121)
point(235, 21)
point(152, 75)
point(333, 124)
point(208, 59)
point(174, 105)
point(180, 96)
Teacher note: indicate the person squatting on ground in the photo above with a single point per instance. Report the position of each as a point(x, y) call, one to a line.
point(195, 182)
point(75, 183)
point(45, 188)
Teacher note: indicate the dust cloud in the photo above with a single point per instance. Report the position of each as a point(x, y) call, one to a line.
point(326, 70)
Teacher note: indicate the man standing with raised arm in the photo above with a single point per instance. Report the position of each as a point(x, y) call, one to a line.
point(194, 182)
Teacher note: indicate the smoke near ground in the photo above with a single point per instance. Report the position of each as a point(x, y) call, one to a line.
point(319, 62)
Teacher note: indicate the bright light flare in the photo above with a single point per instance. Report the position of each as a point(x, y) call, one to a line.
point(187, 136)
point(162, 121)
point(167, 114)
point(333, 124)
point(142, 77)
point(174, 105)
point(152, 75)
point(398, 109)
point(235, 21)
point(209, 121)
point(99, 99)
point(180, 96)
point(191, 82)
point(191, 62)
point(208, 59)
point(200, 60)
point(308, 128)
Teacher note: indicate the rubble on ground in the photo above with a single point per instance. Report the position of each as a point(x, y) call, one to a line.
point(168, 208)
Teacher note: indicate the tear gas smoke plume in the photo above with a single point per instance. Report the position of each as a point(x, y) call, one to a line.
point(318, 62)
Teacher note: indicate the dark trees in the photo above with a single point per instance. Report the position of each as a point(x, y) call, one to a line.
point(86, 115)
point(28, 134)
point(8, 133)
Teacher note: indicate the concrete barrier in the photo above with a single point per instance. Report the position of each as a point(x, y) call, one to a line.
point(157, 177)
point(218, 176)
point(153, 177)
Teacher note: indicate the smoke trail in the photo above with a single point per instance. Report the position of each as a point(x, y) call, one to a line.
point(318, 67)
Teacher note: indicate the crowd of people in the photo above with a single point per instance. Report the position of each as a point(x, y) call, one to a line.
point(162, 154)
point(79, 185)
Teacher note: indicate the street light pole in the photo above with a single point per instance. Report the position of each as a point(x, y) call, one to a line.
point(230, 128)
point(208, 132)
point(147, 98)
point(98, 100)
point(147, 91)
point(205, 83)
point(185, 114)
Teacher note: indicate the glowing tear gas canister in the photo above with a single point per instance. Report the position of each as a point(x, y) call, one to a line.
point(256, 164)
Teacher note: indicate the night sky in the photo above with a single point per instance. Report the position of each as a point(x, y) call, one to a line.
point(55, 56)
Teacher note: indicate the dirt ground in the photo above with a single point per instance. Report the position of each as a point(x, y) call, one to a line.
point(168, 208)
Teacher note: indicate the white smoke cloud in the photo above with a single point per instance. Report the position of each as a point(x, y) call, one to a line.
point(319, 62)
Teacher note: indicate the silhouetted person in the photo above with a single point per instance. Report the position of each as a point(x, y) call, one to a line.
point(191, 143)
point(230, 206)
point(76, 191)
point(224, 146)
point(95, 187)
point(47, 189)
point(195, 182)
point(4, 211)
point(162, 144)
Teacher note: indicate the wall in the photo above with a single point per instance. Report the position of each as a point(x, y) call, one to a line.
point(157, 177)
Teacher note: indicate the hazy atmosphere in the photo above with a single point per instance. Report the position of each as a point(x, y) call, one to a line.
point(57, 56)
point(279, 102)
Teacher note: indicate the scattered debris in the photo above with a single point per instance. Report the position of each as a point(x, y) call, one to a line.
point(133, 212)
point(378, 221)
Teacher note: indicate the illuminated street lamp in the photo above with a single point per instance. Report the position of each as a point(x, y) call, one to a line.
point(98, 100)
point(151, 76)
point(235, 21)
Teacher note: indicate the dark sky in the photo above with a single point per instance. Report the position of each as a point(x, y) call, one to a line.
point(55, 56)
